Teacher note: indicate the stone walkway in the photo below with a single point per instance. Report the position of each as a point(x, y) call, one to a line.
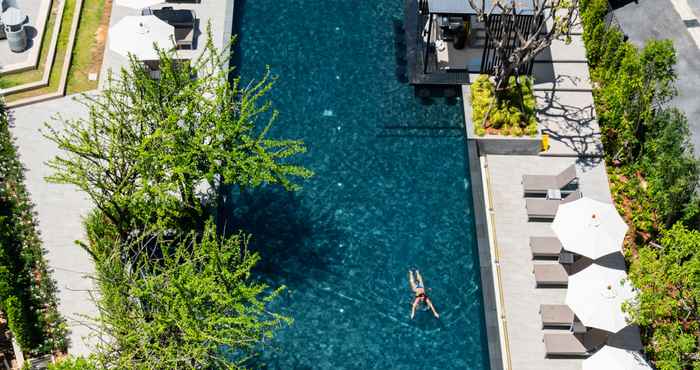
point(60, 210)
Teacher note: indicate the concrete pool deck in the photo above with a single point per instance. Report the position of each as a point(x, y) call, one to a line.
point(567, 116)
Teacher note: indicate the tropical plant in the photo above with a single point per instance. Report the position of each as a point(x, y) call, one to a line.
point(513, 115)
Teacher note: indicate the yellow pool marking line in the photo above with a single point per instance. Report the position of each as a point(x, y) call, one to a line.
point(686, 13)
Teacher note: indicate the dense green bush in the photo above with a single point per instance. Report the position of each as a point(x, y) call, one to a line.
point(19, 322)
point(668, 303)
point(73, 363)
point(512, 113)
point(654, 176)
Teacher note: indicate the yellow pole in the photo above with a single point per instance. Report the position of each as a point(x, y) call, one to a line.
point(545, 142)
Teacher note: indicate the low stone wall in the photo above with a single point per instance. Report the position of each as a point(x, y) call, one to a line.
point(495, 144)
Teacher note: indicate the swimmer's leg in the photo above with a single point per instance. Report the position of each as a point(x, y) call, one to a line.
point(420, 279)
point(411, 280)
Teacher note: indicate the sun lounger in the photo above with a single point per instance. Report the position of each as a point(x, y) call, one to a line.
point(545, 247)
point(546, 209)
point(550, 275)
point(556, 316)
point(564, 345)
point(567, 181)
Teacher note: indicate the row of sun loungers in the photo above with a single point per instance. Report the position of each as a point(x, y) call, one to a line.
point(540, 206)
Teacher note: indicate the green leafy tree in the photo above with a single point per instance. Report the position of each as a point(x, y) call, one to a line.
point(592, 14)
point(193, 306)
point(668, 302)
point(671, 168)
point(149, 145)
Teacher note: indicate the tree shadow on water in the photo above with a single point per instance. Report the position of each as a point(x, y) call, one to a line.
point(296, 245)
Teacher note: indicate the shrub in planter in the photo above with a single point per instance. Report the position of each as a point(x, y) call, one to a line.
point(73, 363)
point(513, 113)
point(19, 324)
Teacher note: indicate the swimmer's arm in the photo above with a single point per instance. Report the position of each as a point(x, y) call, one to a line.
point(413, 308)
point(432, 308)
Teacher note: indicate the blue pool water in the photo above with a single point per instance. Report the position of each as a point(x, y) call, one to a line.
point(391, 192)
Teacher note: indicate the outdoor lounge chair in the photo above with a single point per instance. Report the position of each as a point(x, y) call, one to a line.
point(545, 247)
point(566, 181)
point(556, 316)
point(546, 209)
point(550, 275)
point(564, 345)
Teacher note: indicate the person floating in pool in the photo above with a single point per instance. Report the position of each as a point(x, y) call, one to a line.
point(421, 297)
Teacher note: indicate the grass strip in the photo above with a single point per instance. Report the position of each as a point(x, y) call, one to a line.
point(88, 50)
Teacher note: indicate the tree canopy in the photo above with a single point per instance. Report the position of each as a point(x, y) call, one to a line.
point(193, 306)
point(669, 298)
point(155, 155)
point(552, 20)
point(167, 144)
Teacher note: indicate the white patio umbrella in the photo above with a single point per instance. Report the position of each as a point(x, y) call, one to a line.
point(138, 4)
point(136, 34)
point(596, 295)
point(616, 358)
point(589, 227)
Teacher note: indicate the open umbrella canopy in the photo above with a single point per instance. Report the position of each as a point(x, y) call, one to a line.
point(137, 35)
point(589, 228)
point(596, 295)
point(616, 358)
point(138, 4)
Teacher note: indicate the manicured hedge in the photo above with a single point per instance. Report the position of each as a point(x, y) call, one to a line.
point(26, 290)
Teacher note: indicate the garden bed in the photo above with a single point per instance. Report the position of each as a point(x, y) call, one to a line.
point(513, 114)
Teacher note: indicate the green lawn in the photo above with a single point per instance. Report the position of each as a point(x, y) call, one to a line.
point(87, 51)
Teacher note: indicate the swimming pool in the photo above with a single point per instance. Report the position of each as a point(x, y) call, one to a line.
point(391, 192)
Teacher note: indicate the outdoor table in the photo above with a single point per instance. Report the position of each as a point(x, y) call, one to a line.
point(554, 194)
point(578, 328)
point(13, 20)
point(566, 258)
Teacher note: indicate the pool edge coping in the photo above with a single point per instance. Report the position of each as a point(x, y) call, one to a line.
point(494, 327)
